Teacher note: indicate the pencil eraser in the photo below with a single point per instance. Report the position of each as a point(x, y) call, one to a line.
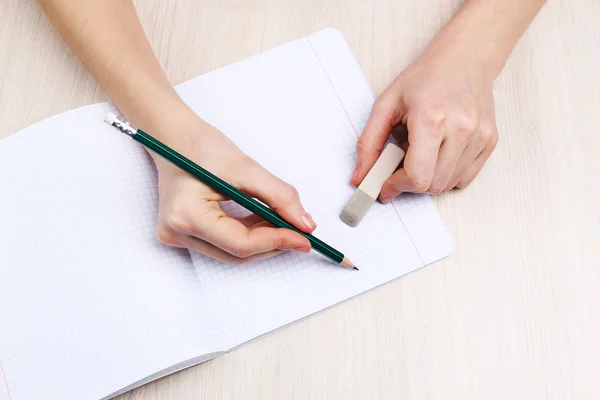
point(110, 117)
point(370, 187)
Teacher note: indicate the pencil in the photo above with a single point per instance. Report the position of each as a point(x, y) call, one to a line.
point(222, 187)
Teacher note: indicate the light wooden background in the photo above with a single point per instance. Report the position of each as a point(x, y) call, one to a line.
point(513, 314)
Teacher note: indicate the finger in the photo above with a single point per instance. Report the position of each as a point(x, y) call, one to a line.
point(483, 141)
point(173, 238)
point(231, 236)
point(449, 156)
point(466, 160)
point(425, 138)
point(216, 253)
point(476, 167)
point(244, 242)
point(280, 196)
point(382, 119)
point(398, 183)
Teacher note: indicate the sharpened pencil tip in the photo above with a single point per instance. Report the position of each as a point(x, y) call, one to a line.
point(347, 263)
point(356, 269)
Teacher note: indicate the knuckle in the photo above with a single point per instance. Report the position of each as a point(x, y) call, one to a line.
point(384, 108)
point(362, 147)
point(419, 183)
point(166, 235)
point(227, 258)
point(381, 105)
point(396, 186)
point(288, 194)
point(467, 122)
point(241, 250)
point(436, 189)
point(488, 136)
point(462, 184)
point(493, 141)
point(236, 260)
point(481, 140)
point(279, 241)
point(436, 117)
point(177, 222)
point(487, 128)
point(378, 104)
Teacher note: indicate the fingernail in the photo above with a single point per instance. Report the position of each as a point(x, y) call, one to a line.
point(308, 221)
point(386, 199)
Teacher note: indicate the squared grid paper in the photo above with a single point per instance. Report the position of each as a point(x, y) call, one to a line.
point(299, 117)
point(89, 299)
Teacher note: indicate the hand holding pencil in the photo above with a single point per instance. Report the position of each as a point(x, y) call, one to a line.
point(190, 215)
point(201, 224)
point(110, 42)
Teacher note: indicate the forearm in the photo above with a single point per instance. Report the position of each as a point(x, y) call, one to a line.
point(487, 30)
point(107, 37)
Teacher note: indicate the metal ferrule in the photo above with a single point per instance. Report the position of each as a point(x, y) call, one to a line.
point(124, 126)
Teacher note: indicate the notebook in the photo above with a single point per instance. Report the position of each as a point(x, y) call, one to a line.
point(92, 304)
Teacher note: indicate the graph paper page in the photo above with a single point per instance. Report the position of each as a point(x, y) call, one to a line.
point(90, 301)
point(298, 110)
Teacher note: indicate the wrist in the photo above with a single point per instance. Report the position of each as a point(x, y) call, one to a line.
point(479, 37)
point(186, 134)
point(176, 125)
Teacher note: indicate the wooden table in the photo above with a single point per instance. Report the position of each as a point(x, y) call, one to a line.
point(513, 314)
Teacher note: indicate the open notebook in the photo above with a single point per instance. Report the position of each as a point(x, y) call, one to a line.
point(91, 304)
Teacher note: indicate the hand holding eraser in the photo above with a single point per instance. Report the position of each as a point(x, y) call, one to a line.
point(370, 187)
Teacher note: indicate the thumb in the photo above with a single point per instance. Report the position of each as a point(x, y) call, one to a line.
point(280, 196)
point(396, 184)
point(382, 119)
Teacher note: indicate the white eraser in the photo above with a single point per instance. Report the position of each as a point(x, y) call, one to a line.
point(370, 187)
point(383, 168)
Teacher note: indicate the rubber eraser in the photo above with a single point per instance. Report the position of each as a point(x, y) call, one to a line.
point(369, 189)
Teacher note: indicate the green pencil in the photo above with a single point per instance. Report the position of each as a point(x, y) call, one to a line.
point(221, 186)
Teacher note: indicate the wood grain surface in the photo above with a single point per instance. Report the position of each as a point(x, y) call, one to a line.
point(513, 314)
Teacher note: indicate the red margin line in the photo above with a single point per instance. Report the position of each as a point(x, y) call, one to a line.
point(410, 237)
point(5, 380)
point(333, 87)
point(357, 135)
